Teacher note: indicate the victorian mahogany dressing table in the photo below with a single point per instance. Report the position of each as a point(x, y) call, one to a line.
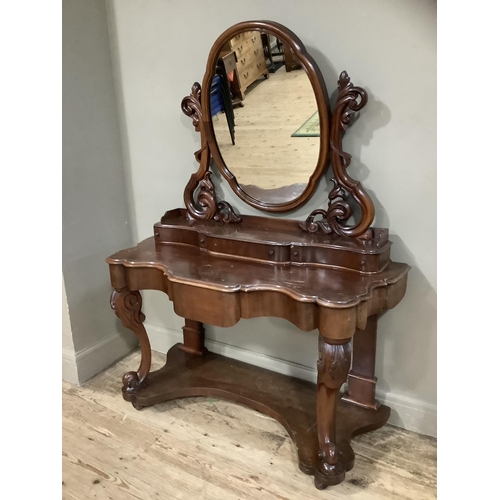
point(216, 266)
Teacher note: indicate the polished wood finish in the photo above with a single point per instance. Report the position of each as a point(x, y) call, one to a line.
point(204, 125)
point(275, 241)
point(217, 267)
point(350, 100)
point(291, 401)
point(333, 364)
point(208, 286)
point(361, 380)
point(194, 338)
point(220, 290)
point(127, 306)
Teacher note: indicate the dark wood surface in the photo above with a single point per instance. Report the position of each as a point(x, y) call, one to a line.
point(275, 241)
point(199, 195)
point(331, 288)
point(184, 260)
point(361, 378)
point(323, 273)
point(220, 290)
point(208, 287)
point(289, 400)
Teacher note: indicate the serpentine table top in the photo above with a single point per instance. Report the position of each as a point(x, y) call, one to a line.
point(252, 288)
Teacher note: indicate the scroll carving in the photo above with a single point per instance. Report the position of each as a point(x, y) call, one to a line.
point(334, 220)
point(225, 213)
point(127, 306)
point(203, 205)
point(333, 366)
point(191, 105)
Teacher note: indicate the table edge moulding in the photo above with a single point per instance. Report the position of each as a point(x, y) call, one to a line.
point(218, 266)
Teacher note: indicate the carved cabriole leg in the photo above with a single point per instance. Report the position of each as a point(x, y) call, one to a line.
point(194, 337)
point(361, 380)
point(127, 306)
point(333, 365)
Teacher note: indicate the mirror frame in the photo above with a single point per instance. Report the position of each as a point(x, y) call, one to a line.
point(315, 77)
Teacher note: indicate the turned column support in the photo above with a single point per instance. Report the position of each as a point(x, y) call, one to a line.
point(334, 359)
point(362, 382)
point(194, 338)
point(127, 306)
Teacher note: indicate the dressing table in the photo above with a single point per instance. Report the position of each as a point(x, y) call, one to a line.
point(331, 271)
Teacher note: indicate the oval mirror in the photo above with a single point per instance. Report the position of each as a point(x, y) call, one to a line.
point(268, 115)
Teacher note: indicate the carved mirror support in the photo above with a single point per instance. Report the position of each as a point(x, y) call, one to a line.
point(199, 194)
point(334, 218)
point(238, 45)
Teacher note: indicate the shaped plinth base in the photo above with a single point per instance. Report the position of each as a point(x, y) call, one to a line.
point(290, 401)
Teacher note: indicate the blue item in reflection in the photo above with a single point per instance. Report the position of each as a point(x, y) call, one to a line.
point(220, 99)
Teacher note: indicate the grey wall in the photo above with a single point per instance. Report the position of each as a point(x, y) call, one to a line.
point(94, 198)
point(389, 48)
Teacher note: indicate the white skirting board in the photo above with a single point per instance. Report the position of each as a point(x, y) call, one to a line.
point(79, 367)
point(407, 413)
point(69, 370)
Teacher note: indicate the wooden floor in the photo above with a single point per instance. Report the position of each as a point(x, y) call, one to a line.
point(204, 448)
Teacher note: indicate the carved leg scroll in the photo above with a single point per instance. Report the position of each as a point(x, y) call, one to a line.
point(333, 365)
point(127, 306)
point(361, 380)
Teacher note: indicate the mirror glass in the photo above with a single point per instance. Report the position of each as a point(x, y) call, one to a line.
point(265, 117)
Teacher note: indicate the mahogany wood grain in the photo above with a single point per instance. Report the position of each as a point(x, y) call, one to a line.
point(127, 306)
point(210, 287)
point(218, 267)
point(333, 364)
point(220, 290)
point(289, 400)
point(194, 337)
point(318, 84)
point(361, 379)
point(275, 241)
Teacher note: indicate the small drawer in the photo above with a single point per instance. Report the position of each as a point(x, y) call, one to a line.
point(241, 37)
point(250, 250)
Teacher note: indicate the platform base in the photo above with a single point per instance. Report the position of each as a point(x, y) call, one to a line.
point(289, 400)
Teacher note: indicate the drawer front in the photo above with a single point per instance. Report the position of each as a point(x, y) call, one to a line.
point(249, 46)
point(250, 250)
point(241, 37)
point(247, 75)
point(250, 73)
point(253, 52)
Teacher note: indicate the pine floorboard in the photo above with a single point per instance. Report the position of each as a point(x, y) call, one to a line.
point(207, 448)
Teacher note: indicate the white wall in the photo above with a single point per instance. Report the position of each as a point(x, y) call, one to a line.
point(389, 48)
point(95, 209)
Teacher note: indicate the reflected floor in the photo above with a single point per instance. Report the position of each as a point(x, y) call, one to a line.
point(265, 154)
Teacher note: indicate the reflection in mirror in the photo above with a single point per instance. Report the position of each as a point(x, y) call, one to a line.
point(265, 117)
